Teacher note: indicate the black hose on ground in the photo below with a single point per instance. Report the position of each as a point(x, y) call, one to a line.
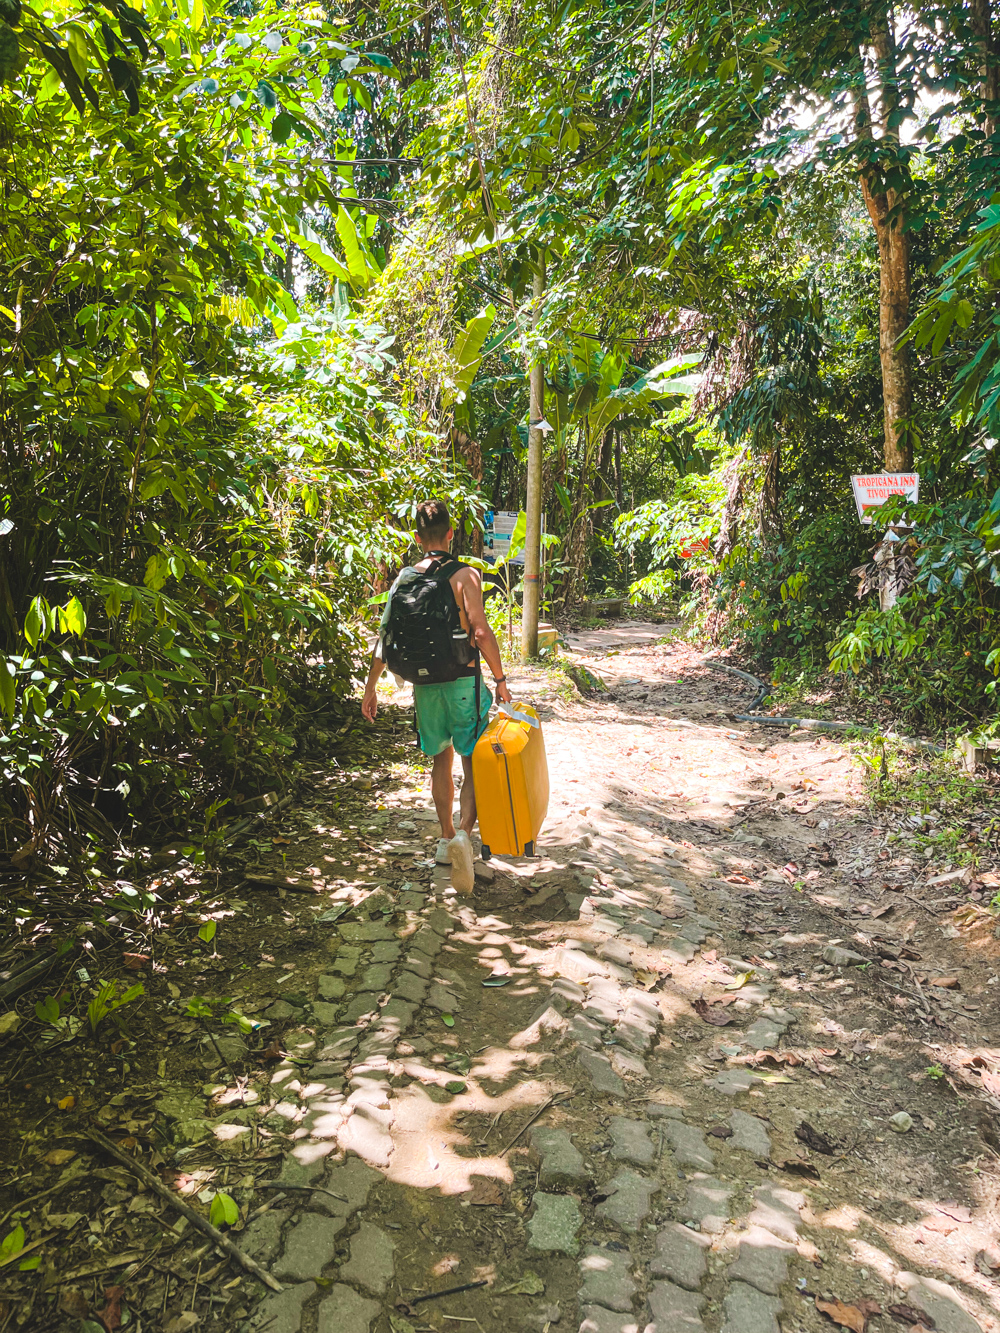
point(814, 723)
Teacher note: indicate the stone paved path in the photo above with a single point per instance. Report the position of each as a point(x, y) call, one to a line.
point(654, 1194)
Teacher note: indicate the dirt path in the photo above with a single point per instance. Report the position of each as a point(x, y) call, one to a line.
point(619, 1090)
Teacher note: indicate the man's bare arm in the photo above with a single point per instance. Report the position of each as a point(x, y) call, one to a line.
point(369, 704)
point(482, 634)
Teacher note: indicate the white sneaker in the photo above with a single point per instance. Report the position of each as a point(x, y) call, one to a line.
point(463, 877)
point(443, 854)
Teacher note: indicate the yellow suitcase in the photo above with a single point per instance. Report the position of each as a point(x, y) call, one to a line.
point(511, 778)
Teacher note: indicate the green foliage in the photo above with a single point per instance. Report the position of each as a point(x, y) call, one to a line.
point(224, 1211)
point(109, 998)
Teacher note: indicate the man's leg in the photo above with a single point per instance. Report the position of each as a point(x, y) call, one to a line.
point(467, 800)
point(443, 791)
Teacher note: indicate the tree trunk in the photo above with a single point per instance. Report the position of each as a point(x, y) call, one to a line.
point(981, 21)
point(886, 209)
point(530, 598)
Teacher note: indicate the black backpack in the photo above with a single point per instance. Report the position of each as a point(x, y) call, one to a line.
point(424, 641)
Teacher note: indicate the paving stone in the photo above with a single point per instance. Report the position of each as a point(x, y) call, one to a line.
point(676, 950)
point(309, 1247)
point(386, 951)
point(346, 960)
point(283, 1313)
point(371, 1263)
point(663, 1111)
point(427, 942)
point(339, 1045)
point(419, 964)
point(762, 1261)
point(777, 1210)
point(364, 1005)
point(693, 932)
point(408, 986)
point(606, 1279)
point(366, 931)
point(354, 1180)
point(680, 1256)
point(837, 957)
point(636, 1031)
point(411, 900)
point(262, 1239)
point(325, 1116)
point(562, 1163)
point(378, 1042)
point(585, 1031)
point(603, 1009)
point(443, 998)
point(398, 1014)
point(749, 1135)
point(367, 1138)
point(554, 1223)
point(763, 1035)
point(628, 1202)
point(939, 1301)
point(568, 990)
point(598, 1320)
point(344, 1311)
point(748, 1310)
point(706, 1203)
point(442, 922)
point(331, 988)
point(638, 935)
point(377, 977)
point(279, 1011)
point(733, 1081)
point(616, 952)
point(627, 1064)
point(688, 1144)
point(630, 1142)
point(602, 1076)
point(674, 1310)
point(325, 1014)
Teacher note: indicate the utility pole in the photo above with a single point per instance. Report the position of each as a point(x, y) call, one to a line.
point(533, 503)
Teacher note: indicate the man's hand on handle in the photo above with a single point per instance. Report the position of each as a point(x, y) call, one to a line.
point(369, 704)
point(504, 695)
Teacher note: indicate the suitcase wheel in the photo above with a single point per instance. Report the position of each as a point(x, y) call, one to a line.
point(529, 848)
point(486, 853)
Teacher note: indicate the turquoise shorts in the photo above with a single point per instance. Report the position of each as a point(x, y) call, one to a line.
point(446, 714)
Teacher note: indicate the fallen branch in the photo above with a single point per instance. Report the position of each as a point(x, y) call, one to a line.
point(154, 1183)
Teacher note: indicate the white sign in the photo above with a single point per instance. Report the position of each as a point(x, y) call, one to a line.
point(499, 525)
point(870, 492)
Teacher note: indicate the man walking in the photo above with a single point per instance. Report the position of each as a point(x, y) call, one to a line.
point(432, 631)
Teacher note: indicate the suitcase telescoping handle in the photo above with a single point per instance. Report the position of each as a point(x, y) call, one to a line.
point(519, 717)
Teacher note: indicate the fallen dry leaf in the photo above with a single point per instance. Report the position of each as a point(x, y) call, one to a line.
point(59, 1156)
point(709, 1013)
point(847, 1316)
point(720, 1132)
point(74, 1303)
point(181, 1323)
point(946, 983)
point(66, 1103)
point(906, 1314)
point(135, 962)
point(795, 1167)
point(111, 1315)
point(485, 1193)
point(813, 1139)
